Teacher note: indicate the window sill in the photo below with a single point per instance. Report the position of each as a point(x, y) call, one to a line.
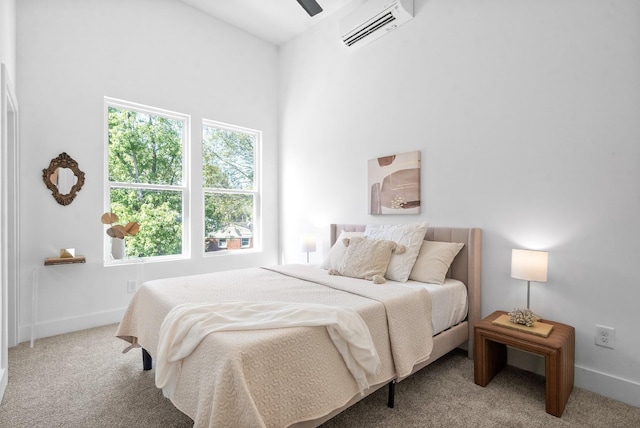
point(143, 260)
point(231, 252)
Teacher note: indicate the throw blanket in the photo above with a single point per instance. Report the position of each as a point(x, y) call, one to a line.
point(186, 325)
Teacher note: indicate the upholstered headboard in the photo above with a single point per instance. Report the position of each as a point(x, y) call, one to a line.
point(466, 267)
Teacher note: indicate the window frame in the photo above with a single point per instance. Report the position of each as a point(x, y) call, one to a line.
point(256, 192)
point(184, 187)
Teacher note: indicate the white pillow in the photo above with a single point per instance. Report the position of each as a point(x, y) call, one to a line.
point(434, 260)
point(336, 252)
point(410, 235)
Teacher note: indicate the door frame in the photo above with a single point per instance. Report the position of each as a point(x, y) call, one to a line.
point(9, 223)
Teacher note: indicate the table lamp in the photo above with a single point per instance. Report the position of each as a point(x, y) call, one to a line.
point(308, 245)
point(530, 266)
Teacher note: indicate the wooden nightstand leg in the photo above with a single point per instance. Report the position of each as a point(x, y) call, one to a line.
point(558, 381)
point(552, 383)
point(490, 358)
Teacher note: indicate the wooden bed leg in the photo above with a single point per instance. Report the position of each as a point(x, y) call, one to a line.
point(146, 360)
point(392, 388)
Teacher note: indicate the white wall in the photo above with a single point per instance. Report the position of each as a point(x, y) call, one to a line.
point(155, 52)
point(8, 36)
point(526, 115)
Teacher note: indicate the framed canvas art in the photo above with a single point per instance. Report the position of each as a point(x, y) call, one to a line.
point(394, 184)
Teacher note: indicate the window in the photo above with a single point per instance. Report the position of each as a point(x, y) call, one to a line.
point(146, 176)
point(147, 168)
point(230, 186)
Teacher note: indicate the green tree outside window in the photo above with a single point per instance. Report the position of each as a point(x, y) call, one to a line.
point(228, 173)
point(145, 177)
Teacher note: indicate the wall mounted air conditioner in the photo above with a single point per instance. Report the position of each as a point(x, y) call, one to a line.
point(374, 19)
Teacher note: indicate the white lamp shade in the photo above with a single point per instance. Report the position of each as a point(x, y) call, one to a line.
point(529, 265)
point(308, 244)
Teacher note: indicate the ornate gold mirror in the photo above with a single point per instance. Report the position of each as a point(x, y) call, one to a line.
point(63, 178)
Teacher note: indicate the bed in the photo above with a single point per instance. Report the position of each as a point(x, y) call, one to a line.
point(297, 376)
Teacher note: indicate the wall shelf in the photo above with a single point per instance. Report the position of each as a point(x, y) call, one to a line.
point(50, 261)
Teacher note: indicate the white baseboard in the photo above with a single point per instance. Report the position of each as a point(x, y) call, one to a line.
point(67, 325)
point(624, 390)
point(4, 379)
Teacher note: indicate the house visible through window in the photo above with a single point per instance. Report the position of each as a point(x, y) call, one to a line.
point(230, 187)
point(146, 176)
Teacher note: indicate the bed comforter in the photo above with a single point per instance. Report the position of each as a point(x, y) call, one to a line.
point(277, 377)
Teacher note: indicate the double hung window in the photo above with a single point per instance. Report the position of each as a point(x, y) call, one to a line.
point(230, 186)
point(146, 178)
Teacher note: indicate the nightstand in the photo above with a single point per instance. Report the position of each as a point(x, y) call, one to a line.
point(558, 350)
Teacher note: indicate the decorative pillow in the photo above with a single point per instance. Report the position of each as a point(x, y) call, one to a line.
point(336, 253)
point(409, 235)
point(434, 260)
point(366, 259)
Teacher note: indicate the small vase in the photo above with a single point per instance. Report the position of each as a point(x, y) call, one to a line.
point(117, 248)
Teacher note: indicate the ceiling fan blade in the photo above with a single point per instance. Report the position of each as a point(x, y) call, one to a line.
point(311, 6)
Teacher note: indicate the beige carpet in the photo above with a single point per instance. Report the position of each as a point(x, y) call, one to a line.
point(83, 380)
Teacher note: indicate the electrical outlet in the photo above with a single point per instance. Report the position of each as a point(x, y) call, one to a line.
point(605, 336)
point(131, 286)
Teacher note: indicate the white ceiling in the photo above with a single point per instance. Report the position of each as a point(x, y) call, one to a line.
point(276, 21)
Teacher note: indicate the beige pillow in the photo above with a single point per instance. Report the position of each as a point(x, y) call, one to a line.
point(434, 260)
point(366, 259)
point(411, 235)
point(336, 252)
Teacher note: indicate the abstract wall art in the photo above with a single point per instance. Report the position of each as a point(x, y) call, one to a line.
point(394, 184)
